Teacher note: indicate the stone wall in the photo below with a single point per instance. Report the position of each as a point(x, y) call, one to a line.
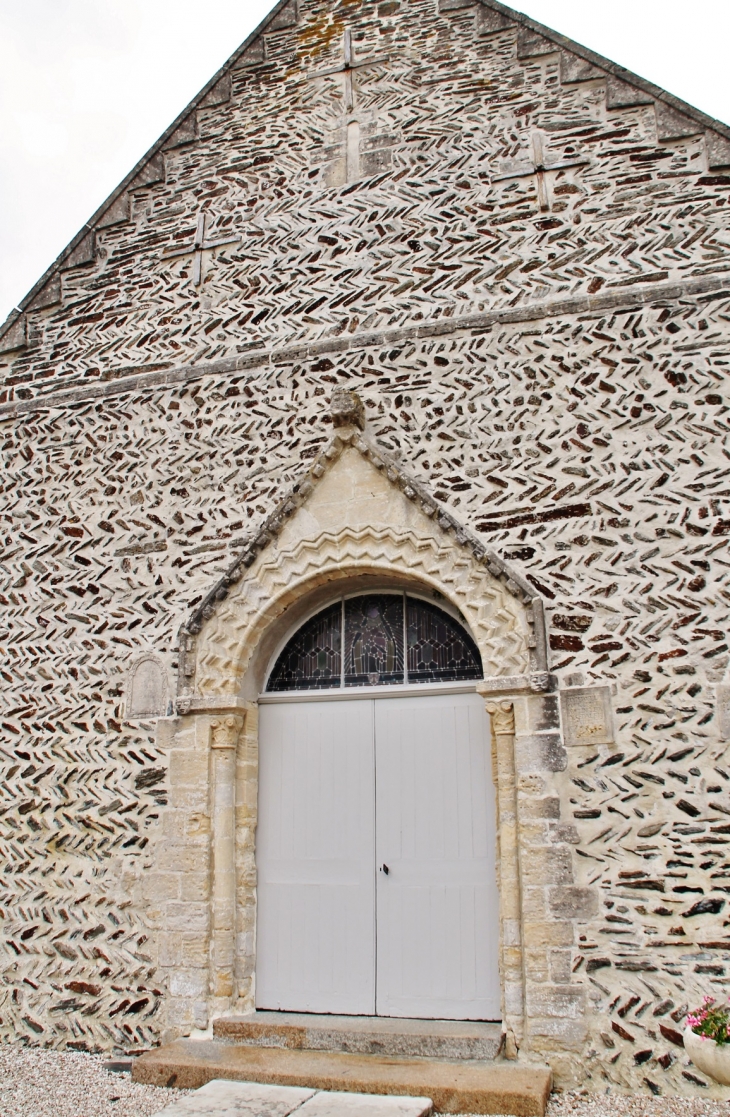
point(555, 377)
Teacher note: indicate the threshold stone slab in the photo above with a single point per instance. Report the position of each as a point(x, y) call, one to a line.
point(460, 1040)
point(222, 1098)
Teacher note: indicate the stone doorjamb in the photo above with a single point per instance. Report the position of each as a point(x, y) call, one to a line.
point(231, 730)
point(355, 525)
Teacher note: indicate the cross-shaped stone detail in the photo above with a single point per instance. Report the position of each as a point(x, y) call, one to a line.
point(198, 247)
point(540, 169)
point(348, 69)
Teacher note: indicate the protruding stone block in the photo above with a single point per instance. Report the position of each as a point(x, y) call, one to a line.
point(186, 133)
point(83, 253)
point(15, 337)
point(119, 212)
point(347, 409)
point(286, 17)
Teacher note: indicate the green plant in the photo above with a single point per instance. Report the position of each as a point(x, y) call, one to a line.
point(711, 1022)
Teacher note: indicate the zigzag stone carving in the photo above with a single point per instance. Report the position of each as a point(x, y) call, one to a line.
point(434, 553)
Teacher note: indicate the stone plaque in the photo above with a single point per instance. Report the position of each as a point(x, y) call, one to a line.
point(147, 694)
point(722, 711)
point(587, 716)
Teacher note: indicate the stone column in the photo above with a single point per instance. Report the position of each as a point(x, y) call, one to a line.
point(502, 715)
point(224, 734)
point(246, 819)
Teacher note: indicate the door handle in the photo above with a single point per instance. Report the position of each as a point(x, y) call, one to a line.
point(384, 869)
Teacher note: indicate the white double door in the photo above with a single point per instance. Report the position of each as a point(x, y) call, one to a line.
point(375, 853)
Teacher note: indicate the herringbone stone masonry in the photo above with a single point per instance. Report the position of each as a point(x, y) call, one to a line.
point(518, 256)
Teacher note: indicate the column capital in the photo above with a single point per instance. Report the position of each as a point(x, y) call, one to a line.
point(503, 718)
point(225, 731)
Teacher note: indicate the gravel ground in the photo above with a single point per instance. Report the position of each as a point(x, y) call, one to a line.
point(636, 1105)
point(39, 1083)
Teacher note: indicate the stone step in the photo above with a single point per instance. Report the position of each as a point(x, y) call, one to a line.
point(364, 1035)
point(470, 1087)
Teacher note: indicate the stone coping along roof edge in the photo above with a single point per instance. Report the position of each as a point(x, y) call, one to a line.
point(413, 490)
point(139, 167)
point(504, 15)
point(654, 92)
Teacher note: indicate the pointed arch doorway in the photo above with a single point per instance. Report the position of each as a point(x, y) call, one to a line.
point(375, 846)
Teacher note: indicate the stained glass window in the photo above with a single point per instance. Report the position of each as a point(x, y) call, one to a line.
point(312, 658)
point(438, 647)
point(375, 630)
point(374, 640)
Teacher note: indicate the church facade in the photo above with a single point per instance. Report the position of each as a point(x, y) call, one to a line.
point(366, 501)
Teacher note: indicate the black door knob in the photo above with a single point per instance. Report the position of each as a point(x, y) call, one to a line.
point(384, 869)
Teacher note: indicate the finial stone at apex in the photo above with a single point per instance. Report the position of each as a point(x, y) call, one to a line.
point(347, 409)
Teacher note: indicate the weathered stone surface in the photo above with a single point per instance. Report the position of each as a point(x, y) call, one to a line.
point(552, 379)
point(587, 718)
point(439, 1039)
point(573, 903)
point(543, 752)
point(333, 1104)
point(147, 689)
point(470, 1087)
point(347, 409)
point(14, 335)
point(220, 1098)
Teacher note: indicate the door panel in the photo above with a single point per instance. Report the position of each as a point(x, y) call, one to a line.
point(437, 918)
point(315, 849)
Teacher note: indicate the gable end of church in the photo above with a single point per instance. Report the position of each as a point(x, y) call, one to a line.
point(405, 352)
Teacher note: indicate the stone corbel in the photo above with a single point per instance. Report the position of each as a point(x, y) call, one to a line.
point(347, 409)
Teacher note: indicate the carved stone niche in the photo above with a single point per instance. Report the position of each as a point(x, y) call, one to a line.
point(147, 689)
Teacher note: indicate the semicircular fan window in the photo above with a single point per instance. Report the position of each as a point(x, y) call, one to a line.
point(376, 639)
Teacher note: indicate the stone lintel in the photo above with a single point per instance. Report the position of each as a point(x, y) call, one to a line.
point(213, 704)
point(495, 685)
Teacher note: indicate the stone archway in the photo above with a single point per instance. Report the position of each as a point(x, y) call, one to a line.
point(355, 515)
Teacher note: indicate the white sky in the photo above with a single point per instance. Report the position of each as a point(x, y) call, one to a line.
point(86, 86)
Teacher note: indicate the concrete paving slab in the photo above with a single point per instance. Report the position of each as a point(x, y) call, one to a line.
point(221, 1098)
point(338, 1104)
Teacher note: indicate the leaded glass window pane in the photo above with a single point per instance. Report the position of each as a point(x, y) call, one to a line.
point(438, 647)
point(374, 640)
point(311, 659)
point(378, 628)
